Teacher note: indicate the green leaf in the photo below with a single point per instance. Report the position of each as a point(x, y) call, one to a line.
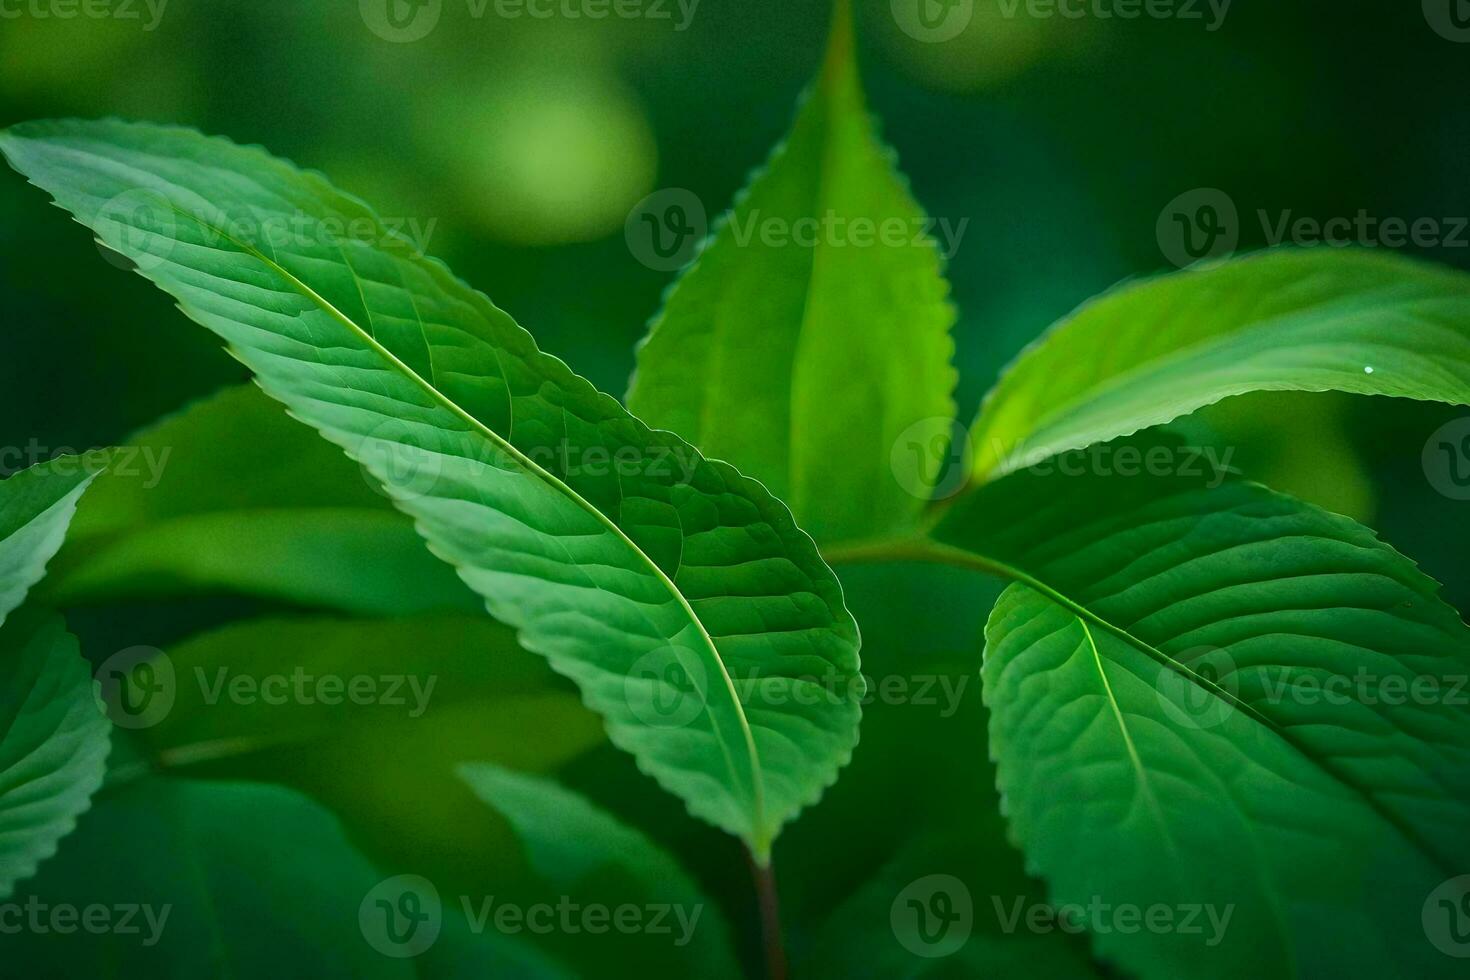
point(53, 739)
point(230, 879)
point(1369, 323)
point(372, 717)
point(272, 683)
point(1303, 444)
point(53, 743)
point(582, 851)
point(233, 495)
point(805, 359)
point(953, 902)
point(36, 505)
point(1221, 698)
point(656, 579)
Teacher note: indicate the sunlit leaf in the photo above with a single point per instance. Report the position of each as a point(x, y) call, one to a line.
point(809, 344)
point(678, 594)
point(1369, 323)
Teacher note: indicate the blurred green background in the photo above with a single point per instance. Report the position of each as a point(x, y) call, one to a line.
point(521, 145)
point(527, 141)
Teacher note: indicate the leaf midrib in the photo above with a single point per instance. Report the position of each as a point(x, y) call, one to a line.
point(761, 842)
point(928, 549)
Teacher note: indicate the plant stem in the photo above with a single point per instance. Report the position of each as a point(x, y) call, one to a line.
point(770, 912)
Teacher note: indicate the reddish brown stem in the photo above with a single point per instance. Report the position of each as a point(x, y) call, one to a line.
point(770, 911)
